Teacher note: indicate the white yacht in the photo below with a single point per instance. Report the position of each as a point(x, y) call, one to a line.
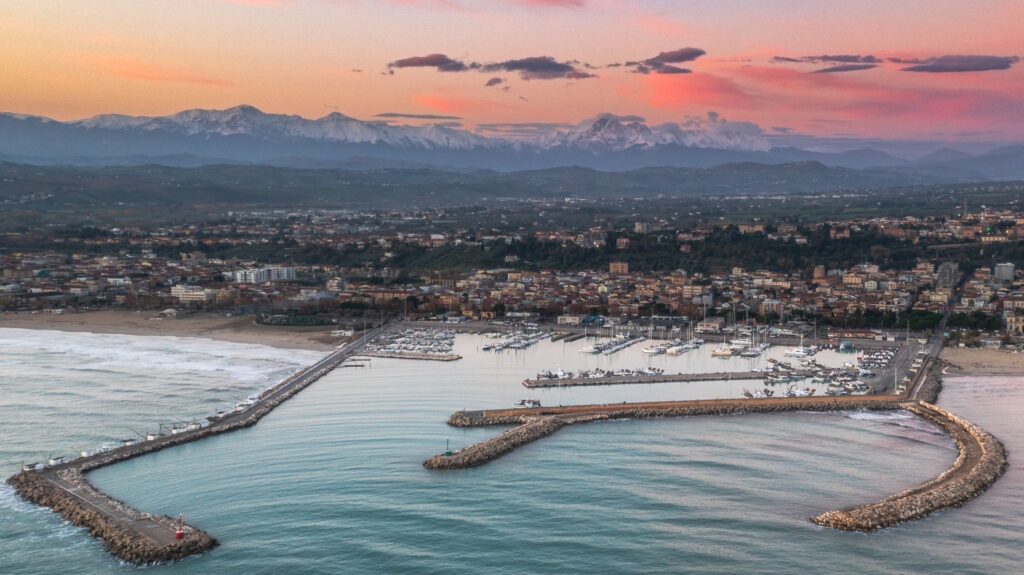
point(800, 350)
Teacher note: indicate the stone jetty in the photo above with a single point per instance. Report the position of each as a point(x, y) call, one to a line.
point(531, 430)
point(981, 460)
point(132, 536)
point(533, 424)
point(137, 537)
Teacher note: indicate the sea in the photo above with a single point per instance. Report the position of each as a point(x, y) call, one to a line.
point(332, 481)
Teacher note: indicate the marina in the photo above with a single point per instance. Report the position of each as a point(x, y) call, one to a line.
point(417, 344)
point(613, 345)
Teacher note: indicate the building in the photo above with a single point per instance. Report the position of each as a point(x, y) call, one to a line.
point(710, 325)
point(252, 276)
point(618, 268)
point(187, 293)
point(264, 275)
point(1015, 323)
point(1004, 272)
point(947, 274)
point(281, 274)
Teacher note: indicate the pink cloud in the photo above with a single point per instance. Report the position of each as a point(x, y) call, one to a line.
point(681, 91)
point(867, 106)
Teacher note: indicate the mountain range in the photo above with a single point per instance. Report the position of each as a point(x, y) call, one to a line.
point(246, 135)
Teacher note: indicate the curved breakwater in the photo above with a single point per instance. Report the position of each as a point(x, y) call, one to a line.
point(981, 460)
point(134, 536)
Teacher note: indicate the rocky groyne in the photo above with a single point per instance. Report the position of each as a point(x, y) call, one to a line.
point(981, 461)
point(119, 535)
point(532, 430)
point(534, 424)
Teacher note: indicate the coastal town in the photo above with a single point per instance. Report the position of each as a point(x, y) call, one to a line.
point(345, 269)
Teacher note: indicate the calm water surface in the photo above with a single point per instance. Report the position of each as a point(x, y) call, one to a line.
point(331, 482)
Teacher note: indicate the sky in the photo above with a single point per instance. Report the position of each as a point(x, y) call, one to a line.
point(938, 70)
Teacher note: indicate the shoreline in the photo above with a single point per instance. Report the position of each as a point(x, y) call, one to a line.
point(241, 329)
point(963, 361)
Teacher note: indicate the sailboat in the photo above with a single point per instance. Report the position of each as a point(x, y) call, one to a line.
point(800, 350)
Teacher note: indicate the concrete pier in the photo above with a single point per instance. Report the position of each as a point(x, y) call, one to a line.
point(413, 355)
point(137, 537)
point(654, 378)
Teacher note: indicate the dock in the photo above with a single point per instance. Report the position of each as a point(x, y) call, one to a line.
point(134, 536)
point(652, 378)
point(413, 355)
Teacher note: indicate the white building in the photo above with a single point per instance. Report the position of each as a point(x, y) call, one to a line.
point(264, 275)
point(186, 293)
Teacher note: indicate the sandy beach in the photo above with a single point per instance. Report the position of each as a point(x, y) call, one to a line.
point(213, 326)
point(972, 361)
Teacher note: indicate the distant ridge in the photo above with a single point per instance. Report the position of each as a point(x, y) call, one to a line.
point(247, 135)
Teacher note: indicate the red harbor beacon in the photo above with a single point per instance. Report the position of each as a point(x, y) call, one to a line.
point(179, 533)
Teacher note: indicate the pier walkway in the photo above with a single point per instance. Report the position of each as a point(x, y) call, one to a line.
point(142, 538)
point(653, 378)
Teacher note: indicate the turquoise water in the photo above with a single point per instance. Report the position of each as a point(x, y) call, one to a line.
point(331, 482)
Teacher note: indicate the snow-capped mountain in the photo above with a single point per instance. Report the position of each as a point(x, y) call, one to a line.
point(249, 121)
point(608, 132)
point(244, 134)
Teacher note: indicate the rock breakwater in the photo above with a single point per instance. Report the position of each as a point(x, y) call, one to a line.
point(981, 461)
point(532, 430)
point(534, 424)
point(121, 534)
